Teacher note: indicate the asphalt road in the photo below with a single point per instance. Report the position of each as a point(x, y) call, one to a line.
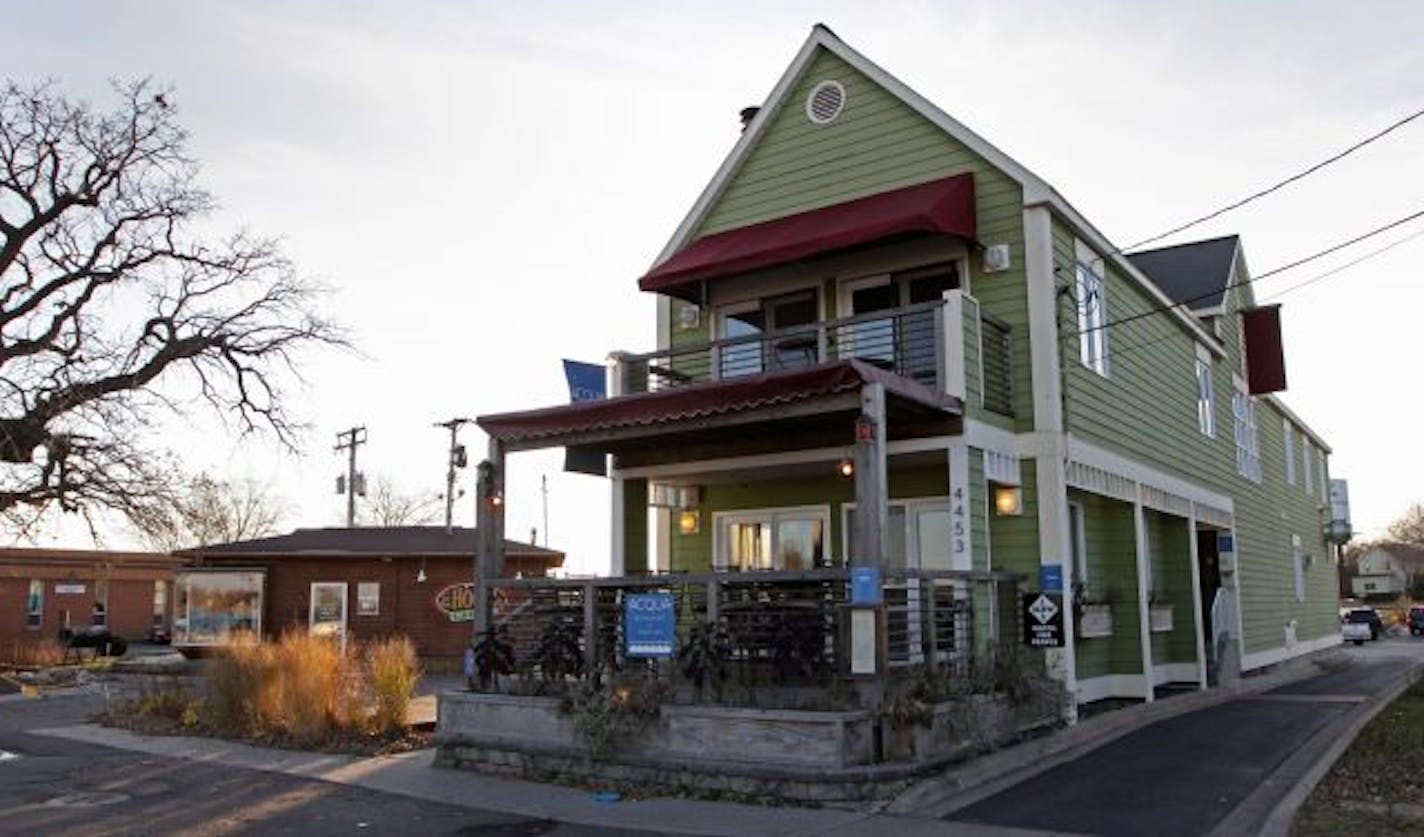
point(54, 786)
point(1185, 775)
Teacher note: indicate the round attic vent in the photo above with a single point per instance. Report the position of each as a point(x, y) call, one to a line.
point(826, 102)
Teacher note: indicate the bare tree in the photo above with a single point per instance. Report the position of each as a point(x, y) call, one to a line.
point(216, 511)
point(114, 312)
point(387, 505)
point(1409, 528)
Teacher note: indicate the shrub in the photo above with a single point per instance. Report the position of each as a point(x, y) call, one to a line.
point(392, 672)
point(31, 652)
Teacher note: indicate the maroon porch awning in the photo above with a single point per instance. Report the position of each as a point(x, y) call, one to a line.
point(585, 422)
point(940, 206)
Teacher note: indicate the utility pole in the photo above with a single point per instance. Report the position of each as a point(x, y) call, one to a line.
point(457, 460)
point(349, 440)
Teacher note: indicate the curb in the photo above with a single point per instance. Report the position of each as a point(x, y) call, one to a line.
point(989, 774)
point(1282, 817)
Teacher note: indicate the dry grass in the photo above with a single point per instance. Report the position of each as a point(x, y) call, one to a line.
point(307, 690)
point(392, 675)
point(31, 652)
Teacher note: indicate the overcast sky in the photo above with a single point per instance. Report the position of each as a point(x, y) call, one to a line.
point(481, 184)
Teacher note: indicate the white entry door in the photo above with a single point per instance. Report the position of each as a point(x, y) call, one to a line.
point(328, 609)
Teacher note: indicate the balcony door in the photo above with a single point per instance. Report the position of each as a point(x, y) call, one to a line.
point(769, 334)
point(903, 343)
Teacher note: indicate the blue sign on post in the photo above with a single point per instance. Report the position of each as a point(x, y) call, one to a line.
point(1225, 542)
point(650, 624)
point(1050, 578)
point(865, 587)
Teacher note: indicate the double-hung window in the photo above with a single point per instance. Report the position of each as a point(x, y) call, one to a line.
point(1090, 293)
point(1305, 465)
point(1324, 487)
point(1206, 397)
point(1243, 414)
point(1288, 433)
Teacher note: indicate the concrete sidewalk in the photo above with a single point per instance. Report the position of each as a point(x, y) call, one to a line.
point(412, 775)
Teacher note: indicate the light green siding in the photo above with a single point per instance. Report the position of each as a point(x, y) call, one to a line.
point(1111, 549)
point(1171, 563)
point(1013, 541)
point(1146, 408)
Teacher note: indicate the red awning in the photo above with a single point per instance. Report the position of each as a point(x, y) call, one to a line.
point(943, 206)
point(573, 424)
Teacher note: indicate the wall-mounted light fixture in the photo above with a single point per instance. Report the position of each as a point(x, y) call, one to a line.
point(846, 468)
point(1008, 500)
point(689, 521)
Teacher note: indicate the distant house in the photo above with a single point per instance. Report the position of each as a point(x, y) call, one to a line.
point(44, 592)
point(365, 582)
point(1388, 570)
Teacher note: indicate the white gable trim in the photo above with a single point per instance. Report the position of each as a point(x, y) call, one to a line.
point(1036, 191)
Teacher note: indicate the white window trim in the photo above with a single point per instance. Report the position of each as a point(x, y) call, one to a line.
point(1248, 450)
point(1206, 393)
point(769, 515)
point(1298, 558)
point(1288, 434)
point(911, 505)
point(37, 613)
point(1320, 472)
point(361, 588)
point(1092, 326)
point(1306, 476)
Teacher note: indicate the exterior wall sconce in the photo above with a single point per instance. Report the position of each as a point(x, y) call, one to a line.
point(1008, 500)
point(689, 521)
point(846, 468)
point(496, 499)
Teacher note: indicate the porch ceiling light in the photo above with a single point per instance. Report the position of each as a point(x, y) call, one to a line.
point(689, 522)
point(846, 468)
point(1008, 500)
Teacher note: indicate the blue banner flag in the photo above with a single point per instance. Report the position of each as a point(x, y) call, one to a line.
point(587, 381)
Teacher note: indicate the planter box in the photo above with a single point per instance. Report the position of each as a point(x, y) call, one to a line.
point(1095, 620)
point(679, 734)
point(1161, 617)
point(959, 727)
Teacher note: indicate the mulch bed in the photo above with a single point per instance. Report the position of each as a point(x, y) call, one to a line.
point(350, 742)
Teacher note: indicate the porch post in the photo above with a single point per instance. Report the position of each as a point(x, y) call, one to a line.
point(871, 490)
point(489, 523)
point(1197, 616)
point(1144, 616)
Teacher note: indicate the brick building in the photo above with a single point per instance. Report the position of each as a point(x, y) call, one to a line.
point(371, 582)
point(46, 591)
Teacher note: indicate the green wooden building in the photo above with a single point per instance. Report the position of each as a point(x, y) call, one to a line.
point(882, 340)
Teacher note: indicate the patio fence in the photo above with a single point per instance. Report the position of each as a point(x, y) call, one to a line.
point(784, 628)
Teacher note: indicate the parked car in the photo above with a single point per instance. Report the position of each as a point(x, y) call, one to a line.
point(1368, 620)
point(1415, 619)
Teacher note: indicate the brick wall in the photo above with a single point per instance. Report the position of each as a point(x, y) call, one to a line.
point(129, 611)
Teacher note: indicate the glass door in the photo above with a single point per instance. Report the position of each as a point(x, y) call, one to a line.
point(328, 609)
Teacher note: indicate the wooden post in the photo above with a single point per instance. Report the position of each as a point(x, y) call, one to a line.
point(489, 523)
point(590, 628)
point(871, 491)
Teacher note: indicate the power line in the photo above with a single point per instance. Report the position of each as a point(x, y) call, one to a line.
point(1280, 185)
point(1132, 348)
point(1283, 268)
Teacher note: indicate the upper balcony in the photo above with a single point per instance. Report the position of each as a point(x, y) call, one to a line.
point(947, 344)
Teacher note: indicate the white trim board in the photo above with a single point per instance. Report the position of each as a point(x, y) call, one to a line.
point(1279, 655)
point(1110, 685)
point(790, 457)
point(1098, 457)
point(1174, 673)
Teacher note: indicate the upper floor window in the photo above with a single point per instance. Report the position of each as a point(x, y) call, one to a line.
point(1243, 414)
point(1324, 489)
point(1288, 433)
point(1206, 397)
point(745, 325)
point(1090, 293)
point(1305, 465)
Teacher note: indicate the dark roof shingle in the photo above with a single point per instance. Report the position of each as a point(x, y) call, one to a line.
point(373, 540)
point(1195, 274)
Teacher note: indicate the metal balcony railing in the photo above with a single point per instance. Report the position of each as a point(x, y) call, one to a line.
point(908, 341)
point(998, 365)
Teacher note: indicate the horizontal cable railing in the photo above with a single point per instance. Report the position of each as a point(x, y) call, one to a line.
point(771, 628)
point(998, 364)
point(905, 341)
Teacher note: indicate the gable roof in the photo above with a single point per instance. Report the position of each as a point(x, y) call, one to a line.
point(1194, 274)
point(1036, 192)
point(371, 540)
point(1409, 554)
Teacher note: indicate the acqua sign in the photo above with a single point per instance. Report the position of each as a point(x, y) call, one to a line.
point(457, 602)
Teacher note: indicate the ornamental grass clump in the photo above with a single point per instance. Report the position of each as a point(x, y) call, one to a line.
point(317, 686)
point(392, 674)
point(30, 652)
point(244, 693)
